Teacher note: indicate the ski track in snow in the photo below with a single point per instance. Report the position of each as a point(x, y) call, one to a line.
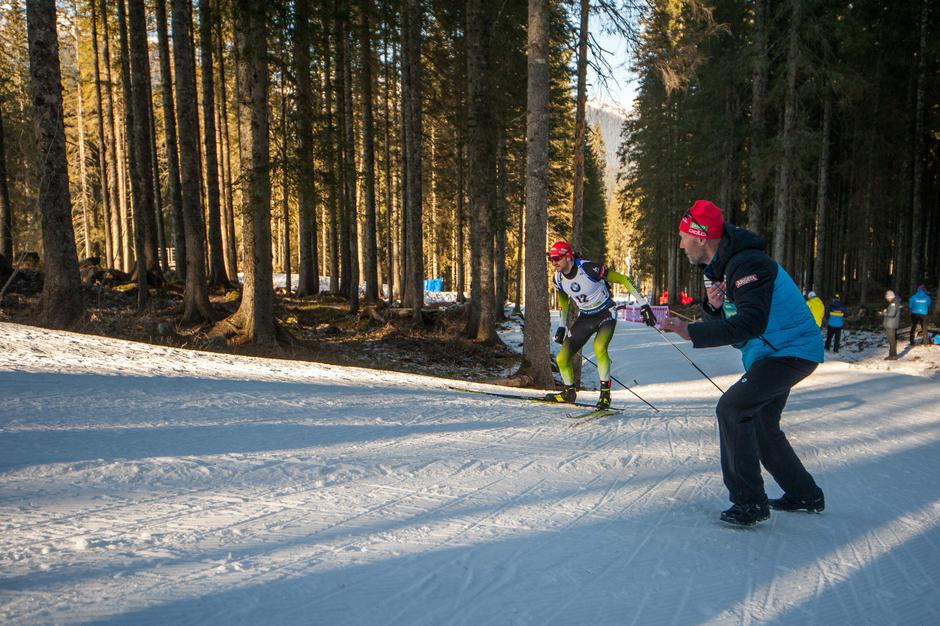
point(143, 484)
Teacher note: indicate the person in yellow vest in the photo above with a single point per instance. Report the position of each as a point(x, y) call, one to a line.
point(816, 307)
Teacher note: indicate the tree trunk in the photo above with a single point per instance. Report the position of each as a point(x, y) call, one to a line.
point(6, 211)
point(459, 257)
point(216, 259)
point(536, 357)
point(917, 217)
point(229, 245)
point(145, 241)
point(342, 154)
point(196, 305)
point(412, 16)
point(389, 210)
point(368, 154)
point(822, 191)
point(788, 138)
point(285, 186)
point(157, 192)
point(755, 209)
point(500, 223)
point(332, 165)
point(349, 175)
point(308, 270)
point(61, 292)
point(82, 172)
point(482, 161)
point(110, 179)
point(172, 150)
point(117, 260)
point(255, 315)
point(577, 208)
point(103, 149)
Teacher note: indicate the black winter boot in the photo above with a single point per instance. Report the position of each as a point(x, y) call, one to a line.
point(604, 401)
point(568, 394)
point(746, 514)
point(813, 504)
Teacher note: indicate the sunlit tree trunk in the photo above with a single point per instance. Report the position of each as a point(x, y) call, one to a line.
point(62, 305)
point(196, 305)
point(145, 243)
point(229, 245)
point(308, 270)
point(536, 357)
point(170, 141)
point(6, 211)
point(481, 156)
point(370, 254)
point(119, 260)
point(216, 266)
point(413, 285)
point(82, 171)
point(255, 315)
point(580, 127)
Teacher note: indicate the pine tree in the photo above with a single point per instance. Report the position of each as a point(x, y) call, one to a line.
point(62, 304)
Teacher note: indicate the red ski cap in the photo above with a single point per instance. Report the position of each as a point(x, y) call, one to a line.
point(703, 220)
point(560, 248)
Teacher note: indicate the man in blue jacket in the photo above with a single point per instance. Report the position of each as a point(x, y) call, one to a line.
point(920, 307)
point(834, 323)
point(754, 305)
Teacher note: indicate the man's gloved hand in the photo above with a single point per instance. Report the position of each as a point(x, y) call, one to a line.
point(560, 334)
point(646, 312)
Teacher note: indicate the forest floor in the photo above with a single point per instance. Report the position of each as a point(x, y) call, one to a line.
point(318, 328)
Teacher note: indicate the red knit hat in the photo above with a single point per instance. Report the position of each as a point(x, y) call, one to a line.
point(560, 248)
point(703, 220)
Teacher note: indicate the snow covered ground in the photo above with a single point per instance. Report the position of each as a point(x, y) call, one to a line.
point(148, 485)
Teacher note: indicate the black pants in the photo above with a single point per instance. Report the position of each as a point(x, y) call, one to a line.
point(833, 333)
point(749, 427)
point(915, 320)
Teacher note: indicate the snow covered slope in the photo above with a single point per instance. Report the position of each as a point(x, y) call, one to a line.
point(146, 485)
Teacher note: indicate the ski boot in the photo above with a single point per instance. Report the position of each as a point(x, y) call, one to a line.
point(604, 401)
point(568, 394)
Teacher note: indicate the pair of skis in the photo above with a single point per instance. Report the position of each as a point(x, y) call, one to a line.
point(584, 416)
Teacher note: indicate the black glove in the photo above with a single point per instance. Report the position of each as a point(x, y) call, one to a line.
point(646, 312)
point(560, 334)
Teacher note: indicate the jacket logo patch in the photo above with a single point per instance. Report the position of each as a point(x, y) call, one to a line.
point(743, 281)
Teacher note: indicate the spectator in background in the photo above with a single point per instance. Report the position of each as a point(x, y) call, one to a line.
point(664, 299)
point(920, 306)
point(891, 318)
point(685, 298)
point(816, 307)
point(834, 323)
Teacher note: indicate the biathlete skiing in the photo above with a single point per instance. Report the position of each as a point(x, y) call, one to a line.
point(587, 283)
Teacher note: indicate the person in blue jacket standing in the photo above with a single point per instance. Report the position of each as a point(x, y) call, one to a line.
point(920, 306)
point(753, 304)
point(834, 323)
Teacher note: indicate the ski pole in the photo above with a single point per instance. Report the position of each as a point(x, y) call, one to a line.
point(614, 378)
point(663, 335)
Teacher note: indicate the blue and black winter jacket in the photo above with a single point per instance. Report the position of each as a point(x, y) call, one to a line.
point(836, 314)
point(919, 303)
point(764, 313)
